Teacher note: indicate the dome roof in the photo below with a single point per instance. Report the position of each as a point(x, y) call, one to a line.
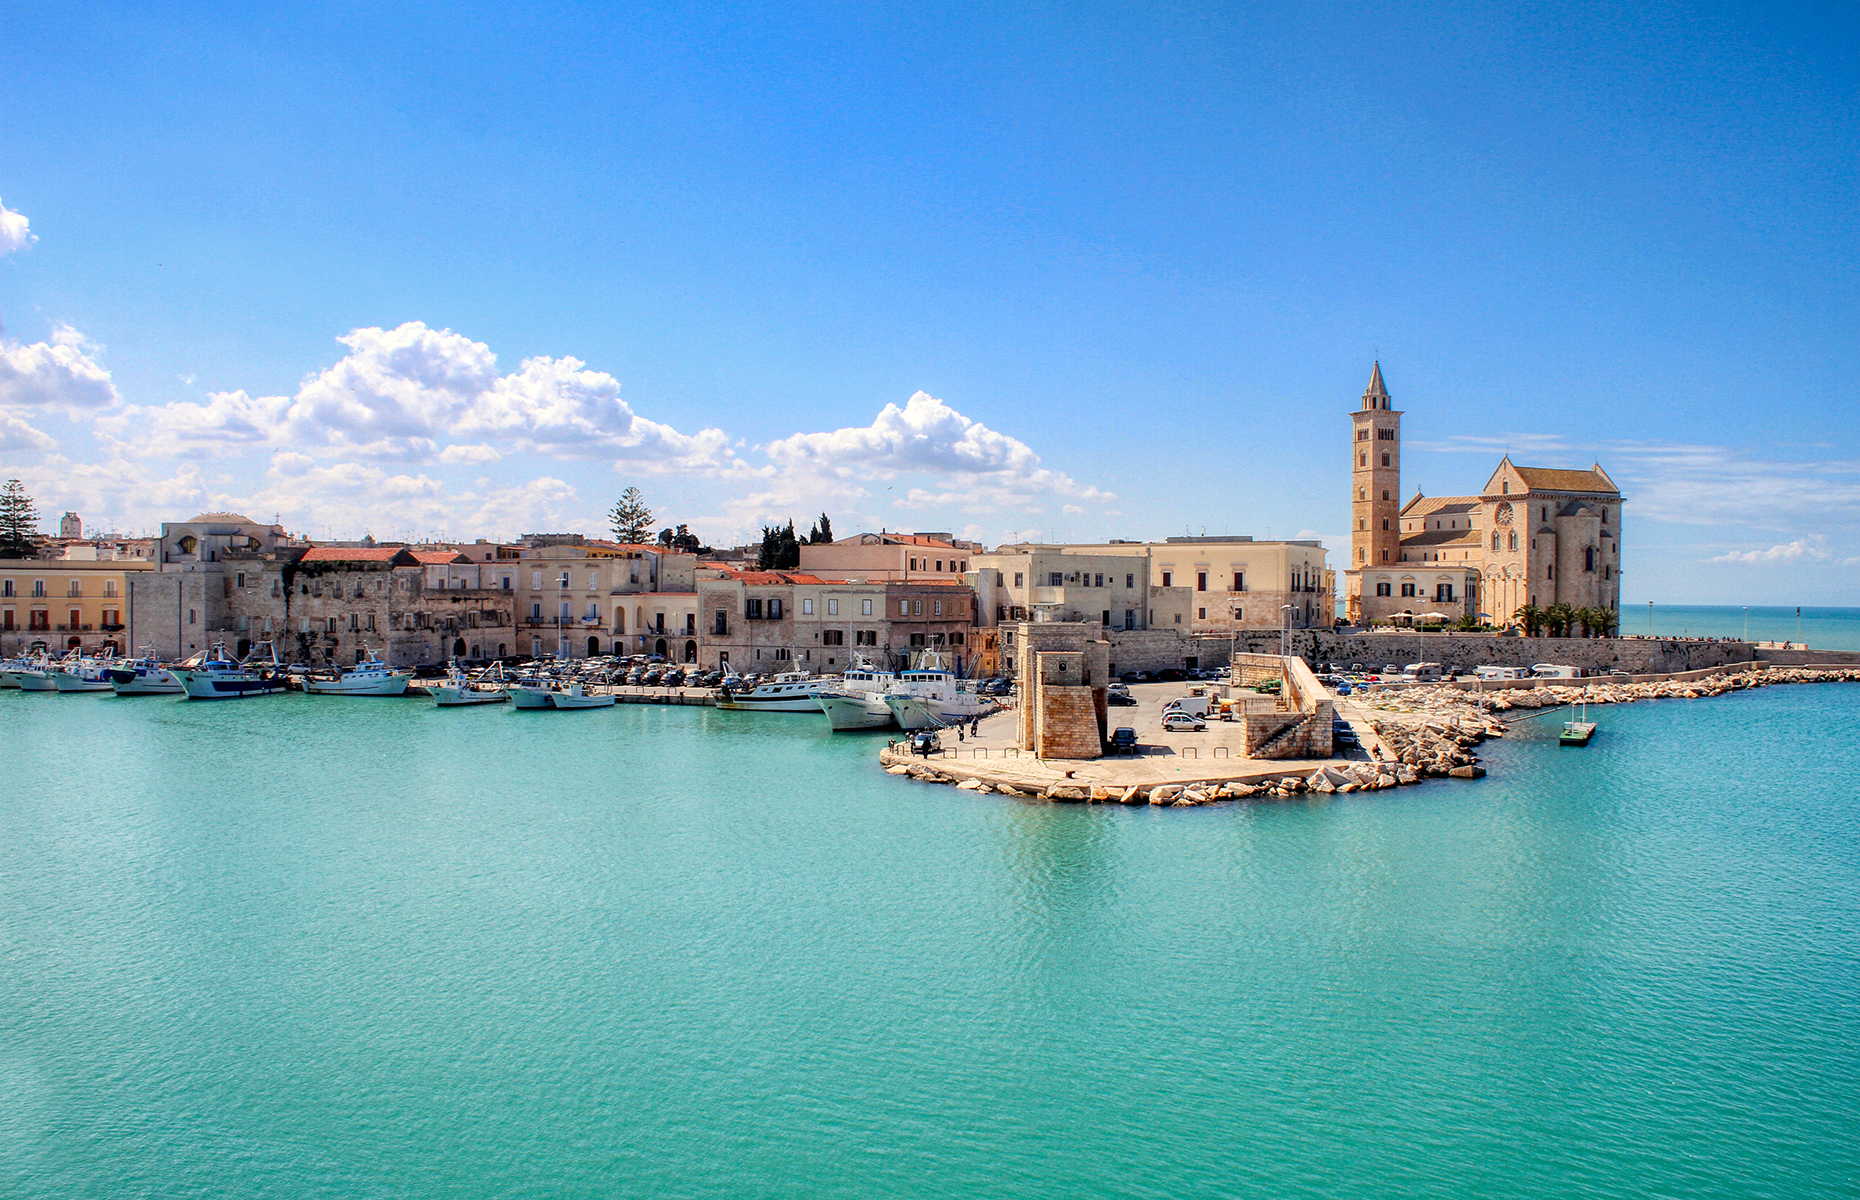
point(221, 518)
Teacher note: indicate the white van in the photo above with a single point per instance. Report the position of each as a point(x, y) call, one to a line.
point(1421, 672)
point(1554, 671)
point(1194, 706)
point(1501, 672)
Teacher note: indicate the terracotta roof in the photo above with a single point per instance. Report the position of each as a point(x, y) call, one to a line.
point(767, 577)
point(439, 557)
point(1552, 479)
point(1427, 506)
point(399, 555)
point(1433, 539)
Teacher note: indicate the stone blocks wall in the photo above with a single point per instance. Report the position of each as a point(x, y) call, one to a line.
point(1462, 652)
point(1068, 724)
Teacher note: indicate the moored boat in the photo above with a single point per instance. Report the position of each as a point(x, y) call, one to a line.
point(460, 689)
point(573, 696)
point(791, 692)
point(930, 699)
point(859, 700)
point(218, 677)
point(370, 677)
point(143, 677)
point(1578, 731)
point(78, 674)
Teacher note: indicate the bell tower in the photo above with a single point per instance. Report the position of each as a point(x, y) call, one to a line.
point(1375, 491)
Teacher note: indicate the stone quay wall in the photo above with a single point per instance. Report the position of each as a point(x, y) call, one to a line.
point(1163, 649)
point(1800, 658)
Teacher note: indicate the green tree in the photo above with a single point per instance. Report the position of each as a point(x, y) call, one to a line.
point(780, 549)
point(631, 519)
point(1531, 618)
point(19, 521)
point(1605, 622)
point(822, 532)
point(1559, 617)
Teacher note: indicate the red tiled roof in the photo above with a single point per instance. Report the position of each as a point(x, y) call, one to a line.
point(1556, 480)
point(767, 577)
point(439, 557)
point(357, 554)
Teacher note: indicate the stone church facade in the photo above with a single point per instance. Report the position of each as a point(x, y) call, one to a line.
point(1534, 535)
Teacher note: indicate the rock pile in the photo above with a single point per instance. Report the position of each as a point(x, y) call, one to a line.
point(1451, 703)
point(1432, 748)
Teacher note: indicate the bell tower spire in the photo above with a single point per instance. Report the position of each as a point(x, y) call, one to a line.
point(1375, 498)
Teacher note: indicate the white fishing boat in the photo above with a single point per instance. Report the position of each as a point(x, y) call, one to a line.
point(7, 667)
point(221, 678)
point(530, 693)
point(931, 698)
point(858, 702)
point(461, 689)
point(573, 696)
point(370, 677)
point(78, 674)
point(143, 677)
point(790, 692)
point(33, 675)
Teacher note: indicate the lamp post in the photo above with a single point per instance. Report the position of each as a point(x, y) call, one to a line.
point(1285, 635)
point(1746, 622)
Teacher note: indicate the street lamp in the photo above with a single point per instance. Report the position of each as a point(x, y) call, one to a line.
point(1285, 636)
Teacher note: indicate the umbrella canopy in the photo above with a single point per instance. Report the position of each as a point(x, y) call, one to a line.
point(1433, 617)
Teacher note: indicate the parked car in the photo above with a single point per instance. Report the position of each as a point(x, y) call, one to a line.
point(1123, 741)
point(672, 678)
point(1172, 675)
point(1128, 677)
point(1120, 700)
point(1177, 721)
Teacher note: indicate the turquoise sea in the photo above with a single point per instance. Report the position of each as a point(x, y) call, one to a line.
point(305, 947)
point(1822, 628)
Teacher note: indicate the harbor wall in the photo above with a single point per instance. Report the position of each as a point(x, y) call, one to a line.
point(1161, 649)
point(1802, 658)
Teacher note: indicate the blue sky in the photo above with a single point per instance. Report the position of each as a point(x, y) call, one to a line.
point(424, 268)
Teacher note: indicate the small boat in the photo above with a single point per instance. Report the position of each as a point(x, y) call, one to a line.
point(790, 692)
point(370, 677)
point(1578, 731)
point(8, 667)
point(219, 677)
point(530, 693)
point(573, 696)
point(460, 689)
point(929, 698)
point(859, 700)
point(144, 677)
point(77, 674)
point(33, 675)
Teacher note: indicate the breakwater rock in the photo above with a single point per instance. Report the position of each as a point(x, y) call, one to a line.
point(1451, 704)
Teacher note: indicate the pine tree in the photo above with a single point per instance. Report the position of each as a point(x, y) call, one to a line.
point(825, 533)
point(631, 519)
point(19, 521)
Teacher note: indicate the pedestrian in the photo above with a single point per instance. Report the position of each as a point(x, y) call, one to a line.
point(959, 733)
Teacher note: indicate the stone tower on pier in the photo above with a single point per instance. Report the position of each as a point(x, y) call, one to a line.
point(1375, 489)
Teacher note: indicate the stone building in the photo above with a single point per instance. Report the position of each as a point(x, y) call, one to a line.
point(172, 610)
point(1064, 675)
point(791, 621)
point(1533, 535)
point(336, 604)
point(1105, 583)
point(589, 597)
point(901, 556)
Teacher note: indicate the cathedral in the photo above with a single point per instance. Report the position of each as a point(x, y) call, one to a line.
point(1534, 535)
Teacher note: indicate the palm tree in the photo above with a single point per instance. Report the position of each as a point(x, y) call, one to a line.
point(1559, 617)
point(1606, 621)
point(1531, 617)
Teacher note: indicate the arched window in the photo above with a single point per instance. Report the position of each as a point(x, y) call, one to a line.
point(1385, 458)
point(1588, 558)
point(1362, 460)
point(1495, 543)
point(1514, 539)
point(1385, 522)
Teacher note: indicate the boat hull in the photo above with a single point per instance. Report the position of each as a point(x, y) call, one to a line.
point(384, 685)
point(451, 697)
point(854, 711)
point(799, 704)
point(207, 687)
point(64, 681)
point(35, 681)
point(529, 697)
point(570, 700)
point(913, 713)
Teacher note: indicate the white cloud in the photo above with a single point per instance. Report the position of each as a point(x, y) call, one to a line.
point(402, 394)
point(1797, 551)
point(228, 423)
point(929, 437)
point(13, 232)
point(16, 434)
point(62, 373)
